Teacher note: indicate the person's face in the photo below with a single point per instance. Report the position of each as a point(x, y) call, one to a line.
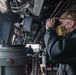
point(63, 28)
point(65, 23)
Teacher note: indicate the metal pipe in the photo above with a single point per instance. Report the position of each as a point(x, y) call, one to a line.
point(56, 8)
point(67, 5)
point(61, 8)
